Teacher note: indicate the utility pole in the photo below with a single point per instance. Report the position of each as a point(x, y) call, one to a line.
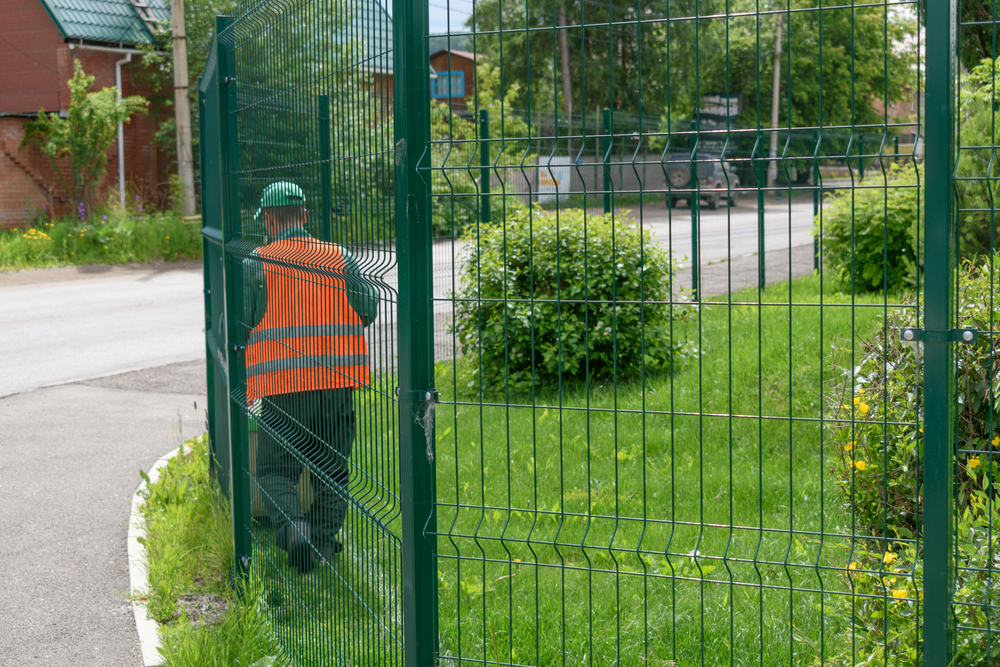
point(182, 108)
point(772, 166)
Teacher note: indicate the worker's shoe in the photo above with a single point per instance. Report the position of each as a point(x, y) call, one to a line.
point(300, 554)
point(329, 549)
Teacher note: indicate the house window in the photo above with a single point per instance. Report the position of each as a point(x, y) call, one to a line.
point(448, 84)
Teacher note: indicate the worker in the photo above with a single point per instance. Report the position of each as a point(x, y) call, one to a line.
point(307, 306)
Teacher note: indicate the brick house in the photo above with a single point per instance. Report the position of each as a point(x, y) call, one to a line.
point(39, 40)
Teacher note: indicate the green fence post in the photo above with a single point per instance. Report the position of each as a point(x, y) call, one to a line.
point(484, 163)
point(939, 274)
point(325, 168)
point(206, 274)
point(694, 202)
point(232, 223)
point(816, 199)
point(607, 160)
point(861, 159)
point(411, 100)
point(895, 148)
point(761, 184)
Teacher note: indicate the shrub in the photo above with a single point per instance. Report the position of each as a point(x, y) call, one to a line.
point(879, 448)
point(564, 297)
point(879, 224)
point(84, 136)
point(870, 234)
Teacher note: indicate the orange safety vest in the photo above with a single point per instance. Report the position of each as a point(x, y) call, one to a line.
point(310, 338)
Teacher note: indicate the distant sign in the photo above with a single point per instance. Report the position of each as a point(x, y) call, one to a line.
point(554, 175)
point(722, 105)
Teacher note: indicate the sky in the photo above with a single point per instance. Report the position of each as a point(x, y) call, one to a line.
point(440, 12)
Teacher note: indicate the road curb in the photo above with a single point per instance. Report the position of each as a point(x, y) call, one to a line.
point(147, 628)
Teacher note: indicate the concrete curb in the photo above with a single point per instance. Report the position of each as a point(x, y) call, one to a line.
point(147, 628)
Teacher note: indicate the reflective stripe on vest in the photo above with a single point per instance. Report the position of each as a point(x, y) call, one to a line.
point(306, 331)
point(309, 338)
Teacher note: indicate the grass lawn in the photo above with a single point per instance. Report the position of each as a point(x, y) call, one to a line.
point(692, 517)
point(189, 555)
point(119, 237)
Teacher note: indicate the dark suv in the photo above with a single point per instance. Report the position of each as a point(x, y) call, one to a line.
point(717, 179)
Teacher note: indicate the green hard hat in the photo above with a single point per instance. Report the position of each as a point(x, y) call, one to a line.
point(282, 193)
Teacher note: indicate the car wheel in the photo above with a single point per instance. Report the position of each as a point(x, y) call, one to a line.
point(679, 176)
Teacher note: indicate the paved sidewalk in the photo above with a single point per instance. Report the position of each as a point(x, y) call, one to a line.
point(69, 463)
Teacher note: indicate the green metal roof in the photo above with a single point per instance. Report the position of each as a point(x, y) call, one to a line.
point(112, 21)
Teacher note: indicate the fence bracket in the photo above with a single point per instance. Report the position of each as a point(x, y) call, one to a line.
point(912, 335)
point(418, 395)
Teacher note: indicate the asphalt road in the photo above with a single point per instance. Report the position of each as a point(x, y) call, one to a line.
point(66, 324)
point(70, 454)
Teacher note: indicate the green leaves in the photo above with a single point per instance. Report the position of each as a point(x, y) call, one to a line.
point(565, 297)
point(85, 135)
point(870, 234)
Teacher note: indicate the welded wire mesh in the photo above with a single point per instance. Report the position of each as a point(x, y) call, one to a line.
point(673, 253)
point(311, 287)
point(664, 438)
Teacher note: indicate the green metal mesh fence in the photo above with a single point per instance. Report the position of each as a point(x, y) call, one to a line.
point(608, 334)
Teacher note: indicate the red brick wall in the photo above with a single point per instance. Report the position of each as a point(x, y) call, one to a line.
point(29, 77)
point(26, 175)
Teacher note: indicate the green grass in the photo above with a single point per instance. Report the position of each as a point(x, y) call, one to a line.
point(189, 551)
point(568, 524)
point(123, 237)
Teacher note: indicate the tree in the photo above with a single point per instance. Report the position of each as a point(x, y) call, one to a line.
point(199, 22)
point(682, 51)
point(85, 135)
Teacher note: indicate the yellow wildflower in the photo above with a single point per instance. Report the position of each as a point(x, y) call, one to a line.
point(974, 462)
point(889, 557)
point(899, 593)
point(860, 465)
point(849, 446)
point(857, 400)
point(996, 441)
point(863, 408)
point(861, 391)
point(852, 566)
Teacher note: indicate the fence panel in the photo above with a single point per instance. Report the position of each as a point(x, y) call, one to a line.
point(606, 411)
point(310, 284)
point(211, 216)
point(631, 471)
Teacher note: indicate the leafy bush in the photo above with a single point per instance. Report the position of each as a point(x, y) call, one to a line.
point(977, 190)
point(879, 445)
point(864, 227)
point(870, 234)
point(563, 297)
point(84, 136)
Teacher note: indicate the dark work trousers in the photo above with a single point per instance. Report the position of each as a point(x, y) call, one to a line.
point(312, 428)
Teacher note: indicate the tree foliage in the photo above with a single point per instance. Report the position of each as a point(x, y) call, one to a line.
point(84, 136)
point(662, 59)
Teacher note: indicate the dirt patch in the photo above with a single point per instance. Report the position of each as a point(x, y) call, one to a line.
point(201, 609)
